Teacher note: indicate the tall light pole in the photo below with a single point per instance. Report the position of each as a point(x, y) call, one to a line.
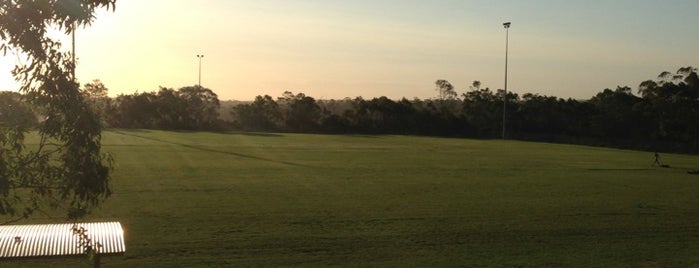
point(200, 57)
point(504, 96)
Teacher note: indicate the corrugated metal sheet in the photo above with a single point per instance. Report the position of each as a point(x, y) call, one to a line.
point(44, 240)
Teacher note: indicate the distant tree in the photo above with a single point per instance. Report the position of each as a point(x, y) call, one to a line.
point(263, 114)
point(483, 110)
point(383, 115)
point(133, 111)
point(666, 111)
point(170, 110)
point(15, 113)
point(542, 118)
point(445, 89)
point(332, 118)
point(671, 104)
point(475, 85)
point(201, 107)
point(66, 168)
point(615, 117)
point(302, 113)
point(96, 94)
point(95, 89)
point(189, 108)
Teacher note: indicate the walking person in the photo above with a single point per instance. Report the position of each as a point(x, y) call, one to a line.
point(657, 159)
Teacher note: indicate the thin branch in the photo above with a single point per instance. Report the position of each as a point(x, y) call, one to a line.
point(38, 156)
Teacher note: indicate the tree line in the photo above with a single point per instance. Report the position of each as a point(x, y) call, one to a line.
point(663, 114)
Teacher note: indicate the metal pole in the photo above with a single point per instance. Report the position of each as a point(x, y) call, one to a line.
point(200, 57)
point(504, 97)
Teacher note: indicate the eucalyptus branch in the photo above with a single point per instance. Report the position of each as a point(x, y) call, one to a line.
point(38, 156)
point(68, 156)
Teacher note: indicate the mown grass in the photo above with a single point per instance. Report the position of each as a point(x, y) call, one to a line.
point(207, 199)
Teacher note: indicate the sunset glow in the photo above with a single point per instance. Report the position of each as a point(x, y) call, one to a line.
point(337, 49)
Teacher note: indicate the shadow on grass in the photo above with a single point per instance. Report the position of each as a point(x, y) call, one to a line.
point(618, 169)
point(258, 134)
point(139, 130)
point(361, 136)
point(128, 130)
point(208, 149)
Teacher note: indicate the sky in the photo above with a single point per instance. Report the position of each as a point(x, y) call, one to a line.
point(332, 49)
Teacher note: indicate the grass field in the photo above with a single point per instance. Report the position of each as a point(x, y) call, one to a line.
point(220, 200)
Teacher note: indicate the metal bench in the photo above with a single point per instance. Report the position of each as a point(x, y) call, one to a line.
point(68, 239)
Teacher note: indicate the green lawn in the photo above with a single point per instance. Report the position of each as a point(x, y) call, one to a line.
point(207, 199)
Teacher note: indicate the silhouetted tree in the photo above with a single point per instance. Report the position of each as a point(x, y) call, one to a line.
point(201, 107)
point(666, 113)
point(95, 93)
point(66, 167)
point(170, 110)
point(483, 110)
point(615, 118)
point(302, 114)
point(671, 103)
point(445, 89)
point(263, 114)
point(189, 108)
point(549, 118)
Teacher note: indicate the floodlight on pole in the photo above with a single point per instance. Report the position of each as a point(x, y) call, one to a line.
point(504, 96)
point(200, 57)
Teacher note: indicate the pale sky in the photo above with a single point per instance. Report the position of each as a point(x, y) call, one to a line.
point(331, 49)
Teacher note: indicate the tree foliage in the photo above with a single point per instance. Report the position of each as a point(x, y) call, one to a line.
point(302, 113)
point(664, 116)
point(188, 108)
point(66, 169)
point(95, 93)
point(670, 105)
point(15, 112)
point(201, 107)
point(445, 89)
point(263, 114)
